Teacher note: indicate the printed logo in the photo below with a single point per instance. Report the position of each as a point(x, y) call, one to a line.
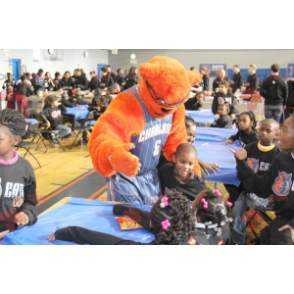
point(282, 184)
point(253, 164)
point(54, 114)
point(221, 242)
point(221, 100)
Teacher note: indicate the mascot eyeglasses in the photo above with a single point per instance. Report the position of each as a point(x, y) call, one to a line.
point(162, 102)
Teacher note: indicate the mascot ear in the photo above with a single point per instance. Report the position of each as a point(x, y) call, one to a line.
point(149, 70)
point(194, 77)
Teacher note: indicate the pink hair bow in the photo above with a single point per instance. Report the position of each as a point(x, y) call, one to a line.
point(165, 224)
point(164, 202)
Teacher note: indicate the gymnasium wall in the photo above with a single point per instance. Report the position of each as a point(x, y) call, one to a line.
point(61, 60)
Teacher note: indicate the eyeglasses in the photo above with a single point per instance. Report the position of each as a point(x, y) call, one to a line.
point(162, 102)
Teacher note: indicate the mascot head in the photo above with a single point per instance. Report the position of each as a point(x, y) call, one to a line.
point(164, 85)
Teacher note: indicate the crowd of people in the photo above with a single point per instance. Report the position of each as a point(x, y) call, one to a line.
point(194, 213)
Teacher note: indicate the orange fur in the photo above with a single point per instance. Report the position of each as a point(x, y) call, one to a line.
point(124, 117)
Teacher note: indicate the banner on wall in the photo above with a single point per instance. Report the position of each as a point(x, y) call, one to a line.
point(290, 70)
point(213, 68)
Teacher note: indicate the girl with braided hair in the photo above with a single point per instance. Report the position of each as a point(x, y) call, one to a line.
point(171, 220)
point(17, 179)
point(211, 216)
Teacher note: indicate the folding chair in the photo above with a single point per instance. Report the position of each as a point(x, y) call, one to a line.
point(83, 129)
point(28, 144)
point(31, 112)
point(46, 134)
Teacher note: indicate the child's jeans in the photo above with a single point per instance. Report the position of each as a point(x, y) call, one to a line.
point(244, 201)
point(64, 131)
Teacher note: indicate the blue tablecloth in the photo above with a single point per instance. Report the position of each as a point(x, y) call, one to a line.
point(210, 149)
point(79, 112)
point(93, 215)
point(31, 120)
point(204, 116)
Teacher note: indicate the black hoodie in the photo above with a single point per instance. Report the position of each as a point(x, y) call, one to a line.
point(54, 115)
point(275, 90)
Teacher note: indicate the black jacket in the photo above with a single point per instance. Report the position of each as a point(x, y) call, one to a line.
point(217, 81)
point(9, 84)
point(66, 83)
point(68, 103)
point(290, 100)
point(276, 183)
point(120, 79)
point(106, 81)
point(275, 90)
point(81, 82)
point(244, 138)
point(24, 89)
point(225, 99)
point(54, 115)
point(223, 122)
point(237, 81)
point(49, 84)
point(193, 104)
point(252, 82)
point(94, 83)
point(130, 83)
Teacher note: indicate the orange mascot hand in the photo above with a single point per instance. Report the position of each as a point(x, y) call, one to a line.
point(123, 161)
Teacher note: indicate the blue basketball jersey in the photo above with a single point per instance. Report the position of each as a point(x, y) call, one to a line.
point(148, 144)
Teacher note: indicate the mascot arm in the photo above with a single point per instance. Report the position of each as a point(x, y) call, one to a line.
point(109, 145)
point(177, 136)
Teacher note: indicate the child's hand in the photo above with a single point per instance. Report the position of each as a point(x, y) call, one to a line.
point(291, 230)
point(99, 108)
point(240, 154)
point(209, 166)
point(228, 142)
point(232, 116)
point(51, 237)
point(21, 219)
point(2, 234)
point(48, 124)
point(217, 116)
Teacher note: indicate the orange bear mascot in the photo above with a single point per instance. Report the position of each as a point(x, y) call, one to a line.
point(142, 121)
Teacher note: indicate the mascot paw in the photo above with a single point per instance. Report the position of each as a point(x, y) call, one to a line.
point(123, 161)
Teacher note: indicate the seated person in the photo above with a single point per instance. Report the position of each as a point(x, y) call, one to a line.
point(78, 98)
point(224, 121)
point(80, 80)
point(109, 93)
point(99, 104)
point(18, 184)
point(211, 216)
point(52, 112)
point(259, 158)
point(179, 175)
point(195, 103)
point(276, 183)
point(66, 101)
point(225, 96)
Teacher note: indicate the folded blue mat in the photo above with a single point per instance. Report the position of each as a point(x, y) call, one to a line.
point(93, 215)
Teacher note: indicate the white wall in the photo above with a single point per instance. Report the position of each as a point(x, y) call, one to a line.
point(61, 60)
point(262, 58)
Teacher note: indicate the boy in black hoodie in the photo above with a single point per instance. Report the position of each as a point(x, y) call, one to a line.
point(224, 120)
point(276, 183)
point(275, 91)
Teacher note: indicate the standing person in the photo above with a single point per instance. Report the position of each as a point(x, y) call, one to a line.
point(66, 83)
point(49, 84)
point(106, 79)
point(94, 83)
point(252, 82)
point(80, 80)
point(126, 73)
point(237, 82)
point(112, 73)
point(132, 78)
point(57, 80)
point(10, 82)
point(18, 184)
point(275, 91)
point(290, 100)
point(39, 81)
point(205, 78)
point(120, 79)
point(24, 90)
point(220, 78)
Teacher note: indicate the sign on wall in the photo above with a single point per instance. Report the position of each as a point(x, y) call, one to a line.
point(213, 68)
point(290, 70)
